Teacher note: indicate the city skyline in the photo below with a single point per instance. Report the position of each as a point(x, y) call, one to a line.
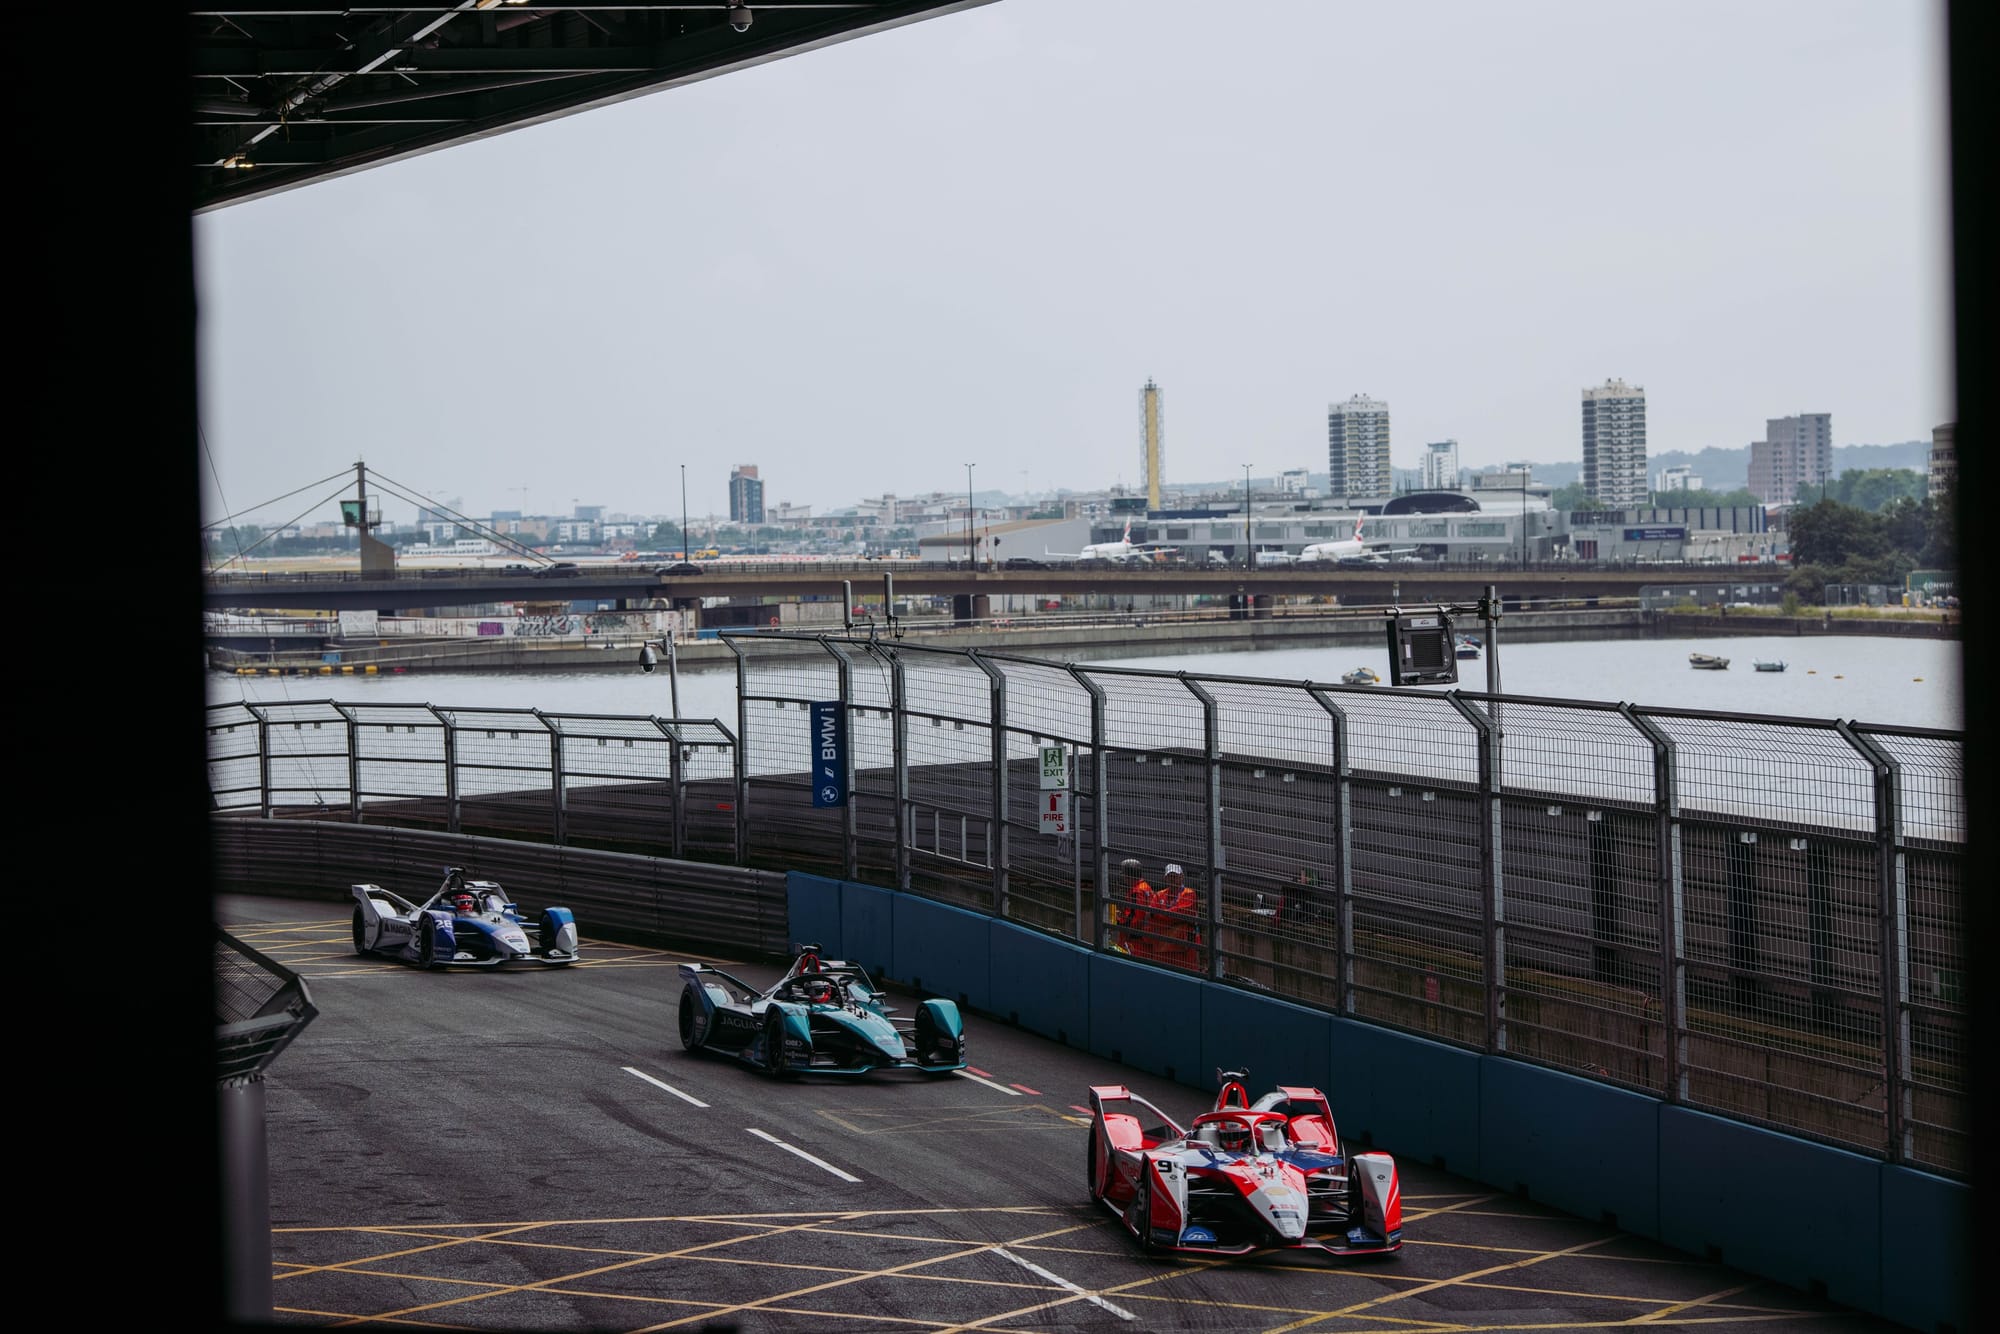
point(1081, 221)
point(1428, 474)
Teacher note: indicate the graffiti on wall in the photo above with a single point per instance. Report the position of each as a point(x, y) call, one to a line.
point(547, 627)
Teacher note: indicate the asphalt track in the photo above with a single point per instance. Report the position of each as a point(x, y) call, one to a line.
point(533, 1150)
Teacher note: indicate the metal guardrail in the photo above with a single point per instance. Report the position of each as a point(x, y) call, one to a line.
point(615, 895)
point(1758, 917)
point(260, 1006)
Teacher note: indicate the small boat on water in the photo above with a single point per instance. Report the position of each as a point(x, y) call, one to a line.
point(1764, 666)
point(1466, 647)
point(1361, 676)
point(1707, 662)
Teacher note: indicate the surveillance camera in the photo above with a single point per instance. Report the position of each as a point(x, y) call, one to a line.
point(647, 658)
point(739, 18)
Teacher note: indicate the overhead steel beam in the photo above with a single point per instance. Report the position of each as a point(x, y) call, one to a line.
point(251, 63)
point(241, 159)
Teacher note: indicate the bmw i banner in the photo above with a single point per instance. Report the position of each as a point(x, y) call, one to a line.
point(829, 759)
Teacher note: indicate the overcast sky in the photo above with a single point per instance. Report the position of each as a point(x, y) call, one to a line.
point(972, 239)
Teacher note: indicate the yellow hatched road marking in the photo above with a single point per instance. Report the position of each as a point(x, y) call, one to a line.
point(1437, 1284)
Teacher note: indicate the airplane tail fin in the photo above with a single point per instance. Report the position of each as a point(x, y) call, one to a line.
point(1357, 527)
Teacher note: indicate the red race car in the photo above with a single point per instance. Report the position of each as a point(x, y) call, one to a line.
point(1247, 1176)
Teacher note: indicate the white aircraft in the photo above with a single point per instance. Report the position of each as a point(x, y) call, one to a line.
point(1123, 549)
point(1355, 548)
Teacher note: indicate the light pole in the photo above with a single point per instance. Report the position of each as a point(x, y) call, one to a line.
point(1249, 559)
point(1524, 520)
point(684, 513)
point(970, 562)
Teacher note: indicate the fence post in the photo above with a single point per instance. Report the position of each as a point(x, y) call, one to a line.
point(1342, 878)
point(558, 781)
point(1100, 809)
point(1893, 907)
point(1000, 843)
point(676, 775)
point(850, 824)
point(1211, 746)
point(1672, 905)
point(1492, 899)
point(263, 759)
point(451, 810)
point(353, 759)
point(899, 717)
point(742, 757)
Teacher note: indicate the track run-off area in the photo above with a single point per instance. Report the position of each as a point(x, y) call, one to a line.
point(531, 1149)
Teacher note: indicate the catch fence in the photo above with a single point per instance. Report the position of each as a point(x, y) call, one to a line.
point(1758, 917)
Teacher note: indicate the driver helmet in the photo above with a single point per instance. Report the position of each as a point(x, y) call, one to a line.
point(463, 904)
point(819, 991)
point(1234, 1136)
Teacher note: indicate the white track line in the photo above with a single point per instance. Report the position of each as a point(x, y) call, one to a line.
point(660, 1084)
point(965, 1074)
point(793, 1148)
point(1065, 1284)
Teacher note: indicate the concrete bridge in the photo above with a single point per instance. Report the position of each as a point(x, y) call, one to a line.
point(1410, 582)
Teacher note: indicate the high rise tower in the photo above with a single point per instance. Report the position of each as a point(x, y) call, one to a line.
point(746, 494)
point(1357, 448)
point(1152, 442)
point(1795, 451)
point(1614, 443)
point(1441, 465)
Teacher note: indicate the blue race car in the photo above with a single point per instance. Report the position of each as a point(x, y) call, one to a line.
point(824, 1016)
point(465, 924)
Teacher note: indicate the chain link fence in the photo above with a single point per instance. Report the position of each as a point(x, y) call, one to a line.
point(1758, 917)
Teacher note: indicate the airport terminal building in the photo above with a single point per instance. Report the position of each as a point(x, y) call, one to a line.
point(1480, 525)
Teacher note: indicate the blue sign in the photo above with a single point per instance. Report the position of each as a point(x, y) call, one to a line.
point(829, 754)
point(1656, 534)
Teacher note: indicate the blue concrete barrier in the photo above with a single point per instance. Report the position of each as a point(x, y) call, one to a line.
point(942, 950)
point(1040, 983)
point(1584, 1147)
point(1145, 1017)
point(1802, 1213)
point(868, 928)
point(1416, 1098)
point(1277, 1042)
point(812, 912)
point(1879, 1238)
point(1926, 1221)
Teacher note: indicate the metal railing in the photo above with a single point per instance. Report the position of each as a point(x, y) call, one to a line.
point(1758, 917)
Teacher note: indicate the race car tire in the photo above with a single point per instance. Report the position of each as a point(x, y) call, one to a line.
point(427, 943)
point(687, 1022)
point(774, 1042)
point(360, 933)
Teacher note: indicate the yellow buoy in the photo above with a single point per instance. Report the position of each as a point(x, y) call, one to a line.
point(347, 669)
point(1917, 679)
point(1838, 677)
point(369, 670)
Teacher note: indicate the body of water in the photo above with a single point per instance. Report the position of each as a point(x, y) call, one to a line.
point(1912, 682)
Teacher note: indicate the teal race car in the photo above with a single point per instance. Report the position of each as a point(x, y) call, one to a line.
point(824, 1016)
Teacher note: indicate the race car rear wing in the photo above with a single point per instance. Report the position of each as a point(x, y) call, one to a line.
point(1310, 1113)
